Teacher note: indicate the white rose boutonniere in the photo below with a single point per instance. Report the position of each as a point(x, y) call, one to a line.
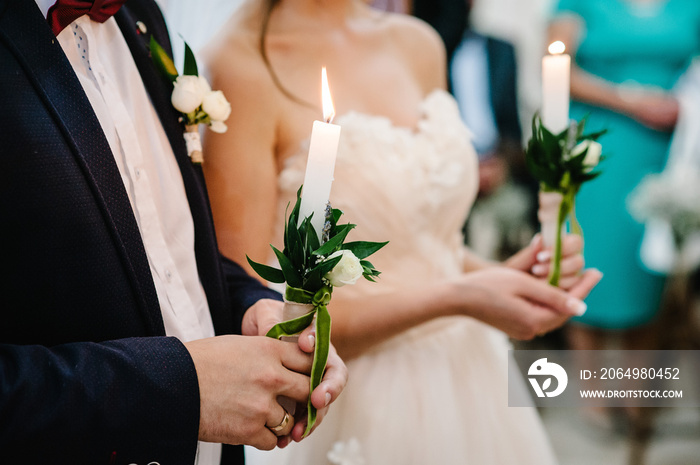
point(193, 98)
point(347, 271)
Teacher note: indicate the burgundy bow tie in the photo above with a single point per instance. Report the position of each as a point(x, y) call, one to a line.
point(64, 12)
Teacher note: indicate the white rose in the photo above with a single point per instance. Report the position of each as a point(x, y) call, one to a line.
point(592, 157)
point(188, 93)
point(204, 85)
point(347, 271)
point(216, 105)
point(218, 126)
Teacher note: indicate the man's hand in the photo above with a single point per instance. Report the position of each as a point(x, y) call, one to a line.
point(264, 315)
point(518, 304)
point(261, 316)
point(240, 379)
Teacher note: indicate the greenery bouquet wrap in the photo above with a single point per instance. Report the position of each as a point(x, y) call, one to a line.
point(311, 268)
point(561, 163)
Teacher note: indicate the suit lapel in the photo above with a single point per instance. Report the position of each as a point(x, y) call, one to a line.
point(159, 90)
point(26, 31)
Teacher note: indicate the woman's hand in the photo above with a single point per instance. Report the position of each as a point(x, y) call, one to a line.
point(656, 110)
point(535, 259)
point(517, 303)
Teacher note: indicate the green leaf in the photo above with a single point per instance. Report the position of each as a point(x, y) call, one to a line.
point(297, 204)
point(312, 242)
point(291, 327)
point(363, 249)
point(286, 228)
point(295, 253)
point(291, 275)
point(594, 135)
point(313, 280)
point(335, 241)
point(190, 67)
point(267, 273)
point(323, 342)
point(366, 264)
point(162, 61)
point(335, 216)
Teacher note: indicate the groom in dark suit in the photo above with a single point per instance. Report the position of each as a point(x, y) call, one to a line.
point(108, 248)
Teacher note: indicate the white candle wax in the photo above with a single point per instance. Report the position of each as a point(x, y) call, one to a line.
point(556, 69)
point(320, 165)
point(319, 173)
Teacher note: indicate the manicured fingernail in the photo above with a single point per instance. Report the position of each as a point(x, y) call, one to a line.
point(312, 340)
point(576, 306)
point(544, 256)
point(540, 270)
point(328, 398)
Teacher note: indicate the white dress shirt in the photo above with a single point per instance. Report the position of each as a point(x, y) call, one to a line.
point(103, 63)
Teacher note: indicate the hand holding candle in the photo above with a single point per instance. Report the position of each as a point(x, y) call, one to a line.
point(314, 261)
point(559, 155)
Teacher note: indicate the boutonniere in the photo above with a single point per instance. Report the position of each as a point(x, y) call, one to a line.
point(561, 163)
point(311, 268)
point(193, 98)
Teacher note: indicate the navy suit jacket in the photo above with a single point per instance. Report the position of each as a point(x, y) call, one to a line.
point(86, 372)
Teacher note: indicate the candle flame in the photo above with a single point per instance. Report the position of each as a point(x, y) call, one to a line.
point(328, 109)
point(557, 48)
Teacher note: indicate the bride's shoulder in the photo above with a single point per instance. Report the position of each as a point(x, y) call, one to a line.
point(415, 34)
point(421, 48)
point(233, 56)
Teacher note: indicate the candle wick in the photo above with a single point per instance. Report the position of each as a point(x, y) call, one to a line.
point(329, 120)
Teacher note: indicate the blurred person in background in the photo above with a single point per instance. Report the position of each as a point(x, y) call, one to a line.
point(627, 57)
point(483, 79)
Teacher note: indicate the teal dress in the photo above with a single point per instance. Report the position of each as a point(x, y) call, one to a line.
point(625, 42)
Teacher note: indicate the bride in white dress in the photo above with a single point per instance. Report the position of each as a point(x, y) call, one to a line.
point(426, 346)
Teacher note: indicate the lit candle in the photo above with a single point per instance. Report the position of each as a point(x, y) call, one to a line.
point(320, 164)
point(556, 69)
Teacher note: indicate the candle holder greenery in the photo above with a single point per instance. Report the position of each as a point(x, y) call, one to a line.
point(562, 163)
point(311, 268)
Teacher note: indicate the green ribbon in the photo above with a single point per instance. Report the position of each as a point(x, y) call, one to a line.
point(293, 327)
